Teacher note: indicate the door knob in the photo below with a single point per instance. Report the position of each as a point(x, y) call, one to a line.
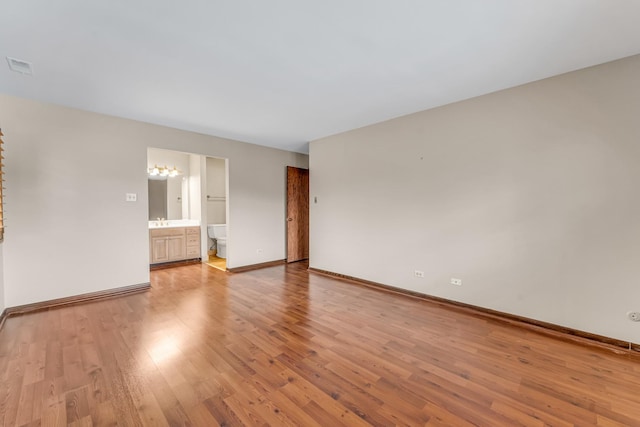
point(289, 219)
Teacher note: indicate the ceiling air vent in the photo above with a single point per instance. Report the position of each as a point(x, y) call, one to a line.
point(20, 66)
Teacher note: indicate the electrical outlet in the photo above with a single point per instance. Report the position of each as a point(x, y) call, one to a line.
point(418, 273)
point(131, 197)
point(634, 316)
point(457, 282)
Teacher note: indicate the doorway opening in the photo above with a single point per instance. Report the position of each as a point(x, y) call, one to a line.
point(187, 194)
point(216, 211)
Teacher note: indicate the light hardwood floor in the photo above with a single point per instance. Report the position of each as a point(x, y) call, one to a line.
point(219, 263)
point(280, 346)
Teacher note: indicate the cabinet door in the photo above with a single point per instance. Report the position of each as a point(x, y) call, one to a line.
point(176, 247)
point(159, 251)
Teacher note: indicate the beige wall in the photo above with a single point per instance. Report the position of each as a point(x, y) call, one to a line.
point(69, 229)
point(529, 195)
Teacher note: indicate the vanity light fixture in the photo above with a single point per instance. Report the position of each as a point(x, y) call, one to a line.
point(163, 171)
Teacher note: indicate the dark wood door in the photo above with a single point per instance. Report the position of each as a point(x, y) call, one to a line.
point(297, 214)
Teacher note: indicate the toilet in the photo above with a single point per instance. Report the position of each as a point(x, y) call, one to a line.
point(218, 232)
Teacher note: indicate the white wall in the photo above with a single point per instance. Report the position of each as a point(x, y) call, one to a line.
point(71, 231)
point(195, 187)
point(529, 195)
point(216, 188)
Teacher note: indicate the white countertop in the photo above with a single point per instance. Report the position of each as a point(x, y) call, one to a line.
point(172, 223)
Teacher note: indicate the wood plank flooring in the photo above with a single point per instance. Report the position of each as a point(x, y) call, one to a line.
point(282, 347)
point(219, 263)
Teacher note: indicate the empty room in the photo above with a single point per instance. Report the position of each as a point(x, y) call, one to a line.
point(297, 213)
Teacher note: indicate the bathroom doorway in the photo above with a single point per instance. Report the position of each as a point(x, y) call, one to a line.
point(187, 191)
point(216, 190)
point(297, 214)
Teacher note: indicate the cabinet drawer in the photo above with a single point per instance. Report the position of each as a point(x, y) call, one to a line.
point(193, 240)
point(193, 252)
point(165, 232)
point(193, 230)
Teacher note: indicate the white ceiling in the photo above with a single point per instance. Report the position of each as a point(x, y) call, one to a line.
point(284, 72)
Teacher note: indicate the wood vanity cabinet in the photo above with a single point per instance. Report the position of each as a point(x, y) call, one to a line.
point(174, 244)
point(193, 242)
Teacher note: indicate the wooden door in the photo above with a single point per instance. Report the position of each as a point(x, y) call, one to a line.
point(297, 214)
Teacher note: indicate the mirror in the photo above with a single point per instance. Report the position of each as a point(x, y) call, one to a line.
point(168, 195)
point(157, 199)
point(165, 198)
